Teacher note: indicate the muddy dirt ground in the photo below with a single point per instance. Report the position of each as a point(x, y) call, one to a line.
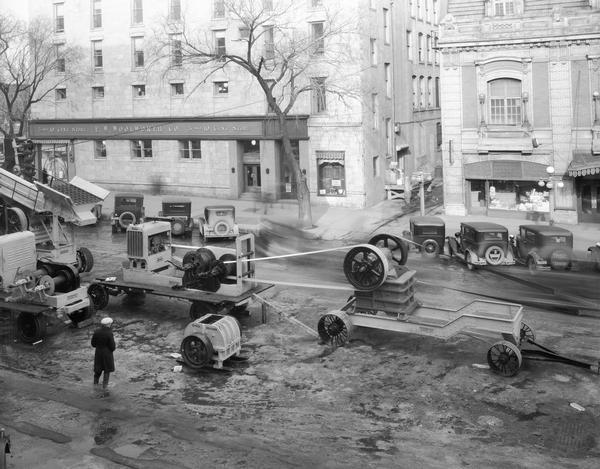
point(384, 400)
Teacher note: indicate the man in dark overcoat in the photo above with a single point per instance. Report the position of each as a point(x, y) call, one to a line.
point(104, 343)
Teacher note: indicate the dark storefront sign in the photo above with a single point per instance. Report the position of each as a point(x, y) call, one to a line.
point(584, 164)
point(505, 170)
point(167, 129)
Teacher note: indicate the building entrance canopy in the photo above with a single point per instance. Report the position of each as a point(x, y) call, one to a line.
point(584, 164)
point(509, 170)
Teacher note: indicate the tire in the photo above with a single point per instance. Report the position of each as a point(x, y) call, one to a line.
point(177, 227)
point(559, 260)
point(16, 220)
point(83, 314)
point(85, 260)
point(196, 351)
point(126, 219)
point(430, 248)
point(222, 228)
point(494, 255)
point(30, 327)
point(99, 296)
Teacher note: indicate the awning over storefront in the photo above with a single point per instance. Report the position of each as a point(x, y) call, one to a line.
point(38, 141)
point(584, 163)
point(505, 170)
point(330, 157)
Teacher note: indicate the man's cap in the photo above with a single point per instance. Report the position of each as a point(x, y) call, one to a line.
point(106, 321)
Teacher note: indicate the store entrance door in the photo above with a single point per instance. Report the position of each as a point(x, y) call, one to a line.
point(252, 178)
point(589, 202)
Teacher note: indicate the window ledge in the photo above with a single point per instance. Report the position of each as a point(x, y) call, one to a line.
point(505, 140)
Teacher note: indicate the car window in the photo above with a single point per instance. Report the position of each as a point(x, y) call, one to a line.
point(492, 236)
point(429, 230)
point(222, 213)
point(530, 237)
point(131, 201)
point(556, 239)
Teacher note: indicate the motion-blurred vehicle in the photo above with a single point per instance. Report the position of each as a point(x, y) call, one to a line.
point(428, 235)
point(219, 222)
point(129, 210)
point(178, 212)
point(543, 247)
point(595, 255)
point(481, 243)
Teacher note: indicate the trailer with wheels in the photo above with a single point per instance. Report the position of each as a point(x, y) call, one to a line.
point(213, 279)
point(384, 299)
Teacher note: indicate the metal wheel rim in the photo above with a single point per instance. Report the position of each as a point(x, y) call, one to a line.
point(99, 296)
point(364, 268)
point(430, 247)
point(196, 351)
point(526, 333)
point(393, 243)
point(221, 228)
point(504, 358)
point(333, 329)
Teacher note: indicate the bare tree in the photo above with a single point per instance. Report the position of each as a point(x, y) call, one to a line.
point(32, 66)
point(280, 52)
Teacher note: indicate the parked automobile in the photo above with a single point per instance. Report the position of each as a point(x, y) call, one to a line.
point(543, 247)
point(177, 211)
point(129, 209)
point(481, 243)
point(595, 255)
point(428, 235)
point(219, 222)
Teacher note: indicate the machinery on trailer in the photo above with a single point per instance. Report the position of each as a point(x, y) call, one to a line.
point(213, 278)
point(384, 299)
point(33, 288)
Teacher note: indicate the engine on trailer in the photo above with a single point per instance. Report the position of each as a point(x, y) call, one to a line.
point(33, 286)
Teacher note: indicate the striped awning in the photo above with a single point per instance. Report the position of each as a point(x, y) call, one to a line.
point(584, 163)
point(331, 157)
point(45, 141)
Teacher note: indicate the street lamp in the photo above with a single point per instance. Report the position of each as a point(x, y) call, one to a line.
point(549, 183)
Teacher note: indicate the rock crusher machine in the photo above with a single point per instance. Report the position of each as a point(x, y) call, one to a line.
point(384, 299)
point(41, 267)
point(216, 280)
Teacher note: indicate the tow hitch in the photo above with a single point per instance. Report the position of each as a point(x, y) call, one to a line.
point(546, 354)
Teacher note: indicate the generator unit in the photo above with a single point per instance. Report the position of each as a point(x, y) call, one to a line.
point(210, 340)
point(35, 288)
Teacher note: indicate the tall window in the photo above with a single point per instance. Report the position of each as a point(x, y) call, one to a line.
point(59, 17)
point(96, 13)
point(386, 25)
point(60, 94)
point(60, 59)
point(97, 92)
point(269, 42)
point(137, 12)
point(435, 50)
point(176, 50)
point(175, 10)
point(97, 55)
point(317, 37)
point(319, 95)
point(388, 136)
point(373, 43)
point(428, 47)
point(422, 92)
point(331, 173)
point(219, 9)
point(504, 7)
point(430, 95)
point(387, 70)
point(220, 49)
point(141, 149)
point(437, 91)
point(436, 12)
point(505, 101)
point(375, 166)
point(137, 46)
point(99, 148)
point(420, 46)
point(375, 110)
point(190, 149)
point(415, 92)
point(177, 89)
point(409, 44)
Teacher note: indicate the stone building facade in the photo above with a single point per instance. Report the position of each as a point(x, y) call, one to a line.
point(125, 126)
point(520, 90)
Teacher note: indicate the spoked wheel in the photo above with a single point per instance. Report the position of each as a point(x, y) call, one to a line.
point(365, 267)
point(17, 220)
point(430, 248)
point(196, 351)
point(99, 295)
point(504, 358)
point(31, 327)
point(335, 328)
point(398, 247)
point(526, 333)
point(85, 260)
point(201, 308)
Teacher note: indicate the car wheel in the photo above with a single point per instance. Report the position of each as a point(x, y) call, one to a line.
point(430, 248)
point(494, 255)
point(126, 219)
point(85, 260)
point(559, 260)
point(177, 228)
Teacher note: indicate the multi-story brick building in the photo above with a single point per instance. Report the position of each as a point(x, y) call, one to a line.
point(520, 116)
point(127, 126)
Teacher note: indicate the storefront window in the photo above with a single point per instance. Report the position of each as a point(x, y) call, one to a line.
point(54, 161)
point(331, 173)
point(522, 196)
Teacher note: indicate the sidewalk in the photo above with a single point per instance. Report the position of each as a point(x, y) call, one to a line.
point(338, 223)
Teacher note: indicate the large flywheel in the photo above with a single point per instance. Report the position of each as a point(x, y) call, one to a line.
point(366, 267)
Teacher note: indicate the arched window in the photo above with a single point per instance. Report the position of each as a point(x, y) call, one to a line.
point(504, 101)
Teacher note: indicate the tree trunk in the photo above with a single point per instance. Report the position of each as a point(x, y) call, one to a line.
point(303, 194)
